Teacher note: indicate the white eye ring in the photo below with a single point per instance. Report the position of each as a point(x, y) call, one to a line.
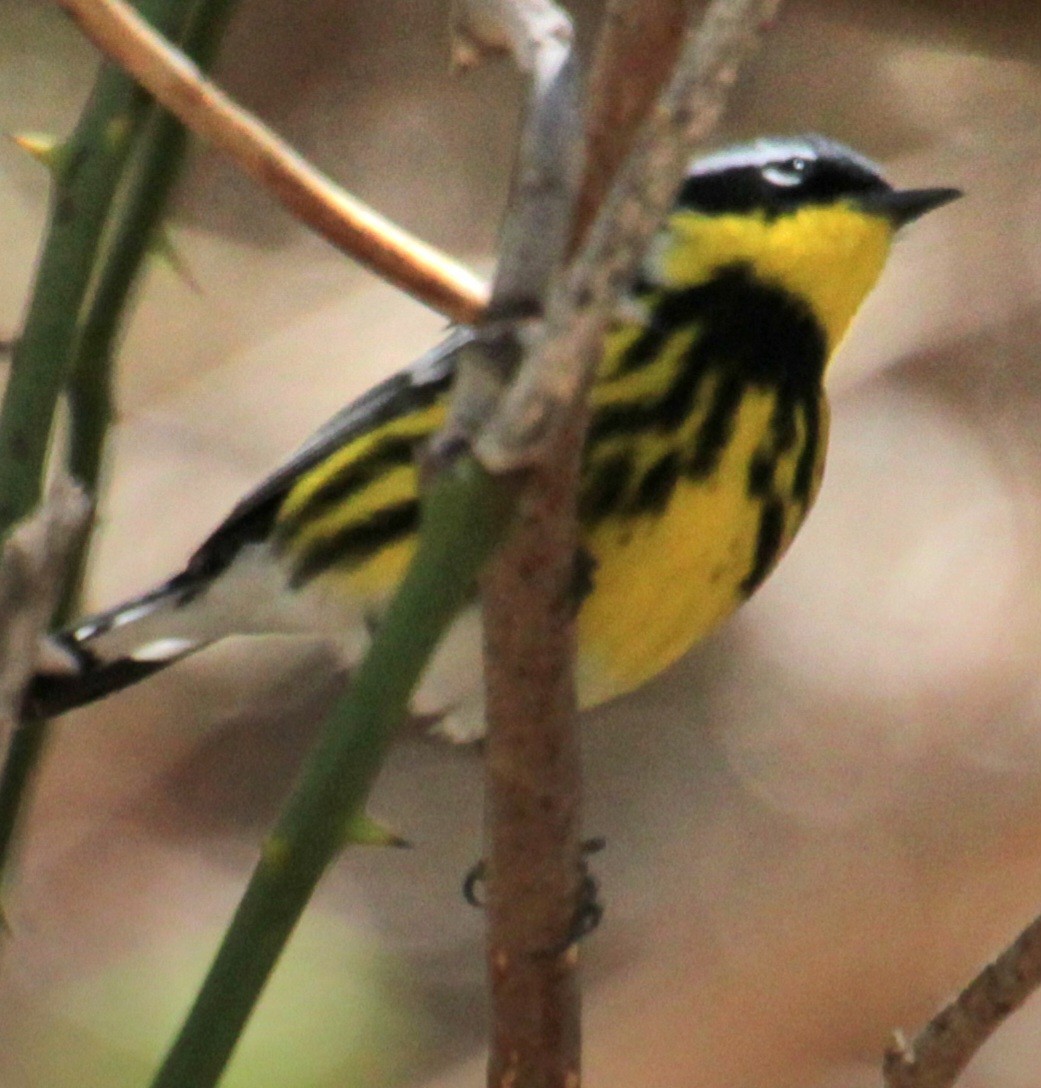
point(786, 174)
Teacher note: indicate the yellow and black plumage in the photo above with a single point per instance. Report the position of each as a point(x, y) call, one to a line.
point(705, 451)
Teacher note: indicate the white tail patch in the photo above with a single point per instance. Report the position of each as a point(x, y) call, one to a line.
point(163, 649)
point(129, 615)
point(100, 626)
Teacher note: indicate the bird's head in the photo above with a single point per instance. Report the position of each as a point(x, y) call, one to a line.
point(806, 215)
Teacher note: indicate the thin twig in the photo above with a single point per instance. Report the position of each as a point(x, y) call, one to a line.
point(947, 1044)
point(532, 766)
point(316, 200)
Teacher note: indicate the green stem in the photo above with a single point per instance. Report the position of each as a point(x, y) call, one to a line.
point(56, 345)
point(465, 515)
point(158, 157)
point(87, 175)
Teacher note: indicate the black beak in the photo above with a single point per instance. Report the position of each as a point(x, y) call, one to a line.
point(901, 206)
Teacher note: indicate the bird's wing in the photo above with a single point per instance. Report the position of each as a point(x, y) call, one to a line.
point(252, 517)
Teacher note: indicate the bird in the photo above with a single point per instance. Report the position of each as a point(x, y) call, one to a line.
point(705, 450)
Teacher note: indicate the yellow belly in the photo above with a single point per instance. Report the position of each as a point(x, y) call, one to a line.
point(660, 586)
point(664, 581)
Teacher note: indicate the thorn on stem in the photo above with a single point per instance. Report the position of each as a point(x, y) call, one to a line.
point(46, 150)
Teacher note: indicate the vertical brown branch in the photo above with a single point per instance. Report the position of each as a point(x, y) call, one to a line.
point(533, 778)
point(534, 784)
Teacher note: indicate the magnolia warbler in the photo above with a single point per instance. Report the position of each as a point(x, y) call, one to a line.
point(704, 453)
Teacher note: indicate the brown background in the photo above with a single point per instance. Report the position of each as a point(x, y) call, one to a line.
point(819, 823)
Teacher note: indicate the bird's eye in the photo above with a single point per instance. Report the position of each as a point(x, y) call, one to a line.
point(787, 174)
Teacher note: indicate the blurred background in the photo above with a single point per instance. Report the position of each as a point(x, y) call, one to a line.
point(819, 824)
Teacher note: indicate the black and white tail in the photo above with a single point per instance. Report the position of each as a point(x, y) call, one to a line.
point(107, 652)
point(240, 590)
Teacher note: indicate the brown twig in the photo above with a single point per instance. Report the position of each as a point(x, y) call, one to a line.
point(33, 564)
point(637, 46)
point(316, 200)
point(533, 773)
point(950, 1040)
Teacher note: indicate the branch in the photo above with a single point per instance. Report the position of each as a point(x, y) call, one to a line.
point(88, 169)
point(465, 515)
point(33, 562)
point(309, 195)
point(33, 565)
point(637, 47)
point(158, 159)
point(951, 1039)
point(533, 768)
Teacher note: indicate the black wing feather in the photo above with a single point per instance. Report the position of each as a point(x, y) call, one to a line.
point(253, 517)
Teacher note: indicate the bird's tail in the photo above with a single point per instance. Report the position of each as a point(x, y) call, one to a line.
point(104, 653)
